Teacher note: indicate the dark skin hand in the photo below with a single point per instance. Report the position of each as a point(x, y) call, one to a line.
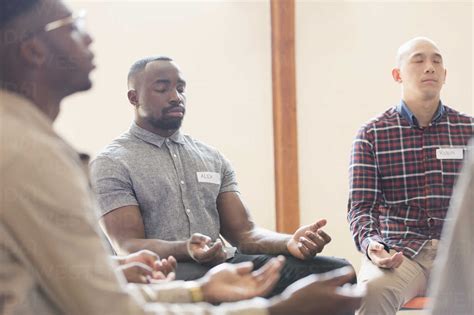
point(202, 250)
point(235, 282)
point(319, 294)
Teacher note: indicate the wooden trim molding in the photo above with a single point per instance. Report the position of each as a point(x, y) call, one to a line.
point(284, 115)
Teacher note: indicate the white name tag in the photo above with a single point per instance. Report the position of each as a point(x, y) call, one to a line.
point(209, 177)
point(450, 154)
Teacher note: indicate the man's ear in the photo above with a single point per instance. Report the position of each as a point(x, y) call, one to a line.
point(445, 74)
point(34, 52)
point(132, 97)
point(396, 75)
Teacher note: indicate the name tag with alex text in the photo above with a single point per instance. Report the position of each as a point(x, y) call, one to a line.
point(209, 177)
point(450, 153)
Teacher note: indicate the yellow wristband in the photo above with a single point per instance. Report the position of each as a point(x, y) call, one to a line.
point(195, 291)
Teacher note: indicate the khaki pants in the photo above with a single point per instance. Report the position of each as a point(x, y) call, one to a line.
point(389, 289)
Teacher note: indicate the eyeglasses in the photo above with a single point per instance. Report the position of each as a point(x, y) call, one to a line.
point(78, 20)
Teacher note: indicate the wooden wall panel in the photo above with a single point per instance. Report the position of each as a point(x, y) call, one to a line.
point(284, 115)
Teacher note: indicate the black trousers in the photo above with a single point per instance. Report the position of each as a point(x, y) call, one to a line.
point(293, 270)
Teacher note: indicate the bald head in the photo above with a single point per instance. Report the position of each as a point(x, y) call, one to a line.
point(407, 48)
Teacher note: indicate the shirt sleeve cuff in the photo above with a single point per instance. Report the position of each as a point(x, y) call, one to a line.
point(231, 187)
point(168, 292)
point(114, 201)
point(375, 238)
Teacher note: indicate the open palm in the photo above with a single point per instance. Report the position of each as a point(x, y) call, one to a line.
point(229, 282)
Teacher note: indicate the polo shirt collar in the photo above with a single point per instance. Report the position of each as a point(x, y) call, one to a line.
point(154, 138)
point(405, 112)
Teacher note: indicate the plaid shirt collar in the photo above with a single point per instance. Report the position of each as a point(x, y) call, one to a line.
point(405, 112)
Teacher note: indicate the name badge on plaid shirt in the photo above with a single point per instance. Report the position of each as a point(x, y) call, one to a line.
point(450, 153)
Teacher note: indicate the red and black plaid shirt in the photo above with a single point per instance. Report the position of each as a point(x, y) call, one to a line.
point(399, 190)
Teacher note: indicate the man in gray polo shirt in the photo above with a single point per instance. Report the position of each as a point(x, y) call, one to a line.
point(167, 192)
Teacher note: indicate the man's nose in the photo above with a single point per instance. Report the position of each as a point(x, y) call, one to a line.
point(88, 38)
point(429, 67)
point(175, 97)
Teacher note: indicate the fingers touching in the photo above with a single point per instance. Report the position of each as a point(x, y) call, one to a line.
point(201, 250)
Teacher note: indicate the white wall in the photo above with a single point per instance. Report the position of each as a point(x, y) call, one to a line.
point(223, 49)
point(345, 53)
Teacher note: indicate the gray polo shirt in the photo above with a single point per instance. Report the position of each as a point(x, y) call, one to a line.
point(175, 182)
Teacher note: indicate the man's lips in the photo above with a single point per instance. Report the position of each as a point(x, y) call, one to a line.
point(91, 57)
point(175, 112)
point(429, 80)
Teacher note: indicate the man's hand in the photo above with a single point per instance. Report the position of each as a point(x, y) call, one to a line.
point(165, 269)
point(381, 258)
point(235, 282)
point(202, 251)
point(136, 272)
point(145, 266)
point(308, 240)
point(320, 294)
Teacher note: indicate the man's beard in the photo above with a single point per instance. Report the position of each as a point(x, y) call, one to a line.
point(166, 123)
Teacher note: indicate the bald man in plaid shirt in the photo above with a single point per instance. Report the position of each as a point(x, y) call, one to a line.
point(404, 164)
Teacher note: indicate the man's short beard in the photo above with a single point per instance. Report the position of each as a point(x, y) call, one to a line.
point(167, 124)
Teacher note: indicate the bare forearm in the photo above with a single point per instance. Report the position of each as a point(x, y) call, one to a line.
point(262, 241)
point(164, 249)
